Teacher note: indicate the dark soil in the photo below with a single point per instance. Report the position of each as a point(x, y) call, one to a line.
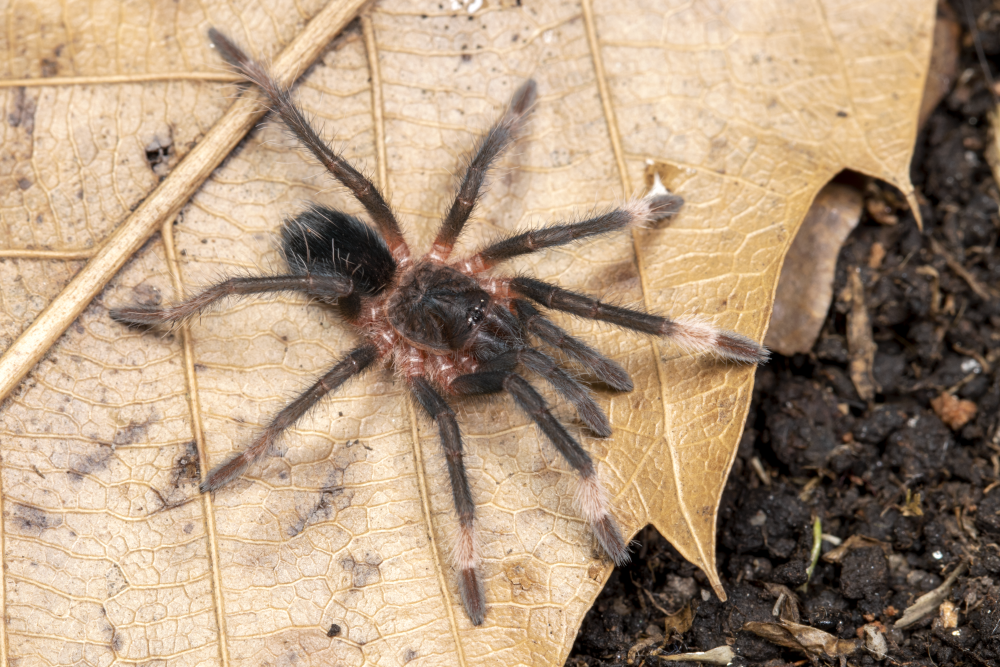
point(891, 469)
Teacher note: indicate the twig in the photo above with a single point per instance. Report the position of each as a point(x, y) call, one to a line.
point(928, 602)
point(981, 290)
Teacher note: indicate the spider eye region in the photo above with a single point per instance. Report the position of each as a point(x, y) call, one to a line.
point(438, 309)
point(477, 312)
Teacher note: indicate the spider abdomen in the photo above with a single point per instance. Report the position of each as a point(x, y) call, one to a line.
point(325, 241)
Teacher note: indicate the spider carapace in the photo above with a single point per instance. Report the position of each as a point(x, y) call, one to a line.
point(448, 328)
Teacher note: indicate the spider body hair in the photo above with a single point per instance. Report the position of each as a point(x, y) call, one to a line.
point(326, 242)
point(448, 329)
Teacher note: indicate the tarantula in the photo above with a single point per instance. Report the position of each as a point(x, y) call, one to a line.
point(448, 329)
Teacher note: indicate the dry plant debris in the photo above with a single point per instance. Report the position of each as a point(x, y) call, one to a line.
point(720, 655)
point(948, 612)
point(837, 554)
point(944, 64)
point(875, 642)
point(953, 411)
point(104, 441)
point(805, 288)
point(859, 340)
point(802, 638)
point(929, 603)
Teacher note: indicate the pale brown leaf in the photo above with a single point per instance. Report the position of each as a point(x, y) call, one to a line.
point(805, 287)
point(110, 553)
point(802, 638)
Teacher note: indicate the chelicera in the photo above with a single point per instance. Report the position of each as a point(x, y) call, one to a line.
point(448, 328)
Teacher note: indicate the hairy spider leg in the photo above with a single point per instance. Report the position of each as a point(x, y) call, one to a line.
point(464, 552)
point(591, 495)
point(636, 212)
point(322, 287)
point(491, 146)
point(366, 192)
point(689, 333)
point(574, 392)
point(354, 363)
point(606, 370)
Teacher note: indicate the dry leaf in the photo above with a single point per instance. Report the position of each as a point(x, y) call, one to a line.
point(805, 287)
point(875, 642)
point(110, 553)
point(944, 63)
point(786, 607)
point(679, 622)
point(653, 636)
point(803, 638)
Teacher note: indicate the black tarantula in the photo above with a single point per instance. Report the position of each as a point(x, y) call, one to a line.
point(448, 329)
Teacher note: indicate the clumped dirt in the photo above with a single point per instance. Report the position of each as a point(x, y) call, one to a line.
point(917, 469)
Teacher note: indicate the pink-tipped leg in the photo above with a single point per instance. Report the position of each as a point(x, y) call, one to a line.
point(738, 347)
point(470, 586)
point(609, 536)
point(592, 499)
point(696, 335)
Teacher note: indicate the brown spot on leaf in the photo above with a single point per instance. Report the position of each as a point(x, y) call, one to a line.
point(49, 68)
point(32, 521)
point(186, 468)
point(23, 112)
point(331, 500)
point(362, 573)
point(116, 581)
point(132, 433)
point(81, 466)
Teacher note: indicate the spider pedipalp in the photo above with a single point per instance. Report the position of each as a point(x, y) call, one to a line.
point(449, 329)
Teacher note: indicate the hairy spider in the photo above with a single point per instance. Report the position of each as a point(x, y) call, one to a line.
point(448, 329)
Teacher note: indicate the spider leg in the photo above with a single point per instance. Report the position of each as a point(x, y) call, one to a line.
point(637, 212)
point(326, 288)
point(354, 363)
point(464, 554)
point(606, 370)
point(690, 334)
point(500, 136)
point(574, 392)
point(591, 496)
point(366, 192)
